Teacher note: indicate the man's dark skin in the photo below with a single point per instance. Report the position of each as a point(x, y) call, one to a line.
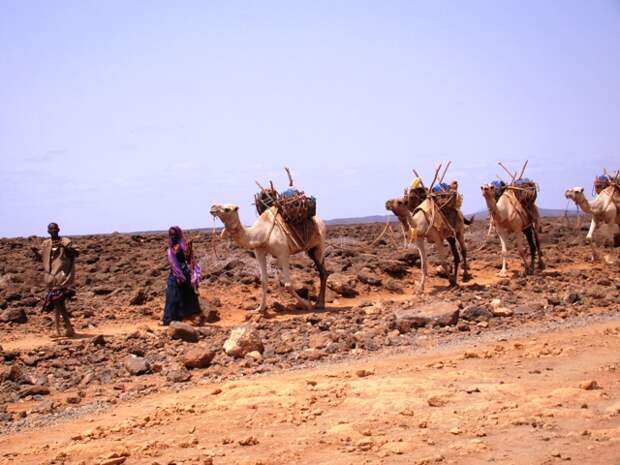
point(59, 307)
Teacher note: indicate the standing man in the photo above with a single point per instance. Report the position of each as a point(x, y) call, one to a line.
point(58, 257)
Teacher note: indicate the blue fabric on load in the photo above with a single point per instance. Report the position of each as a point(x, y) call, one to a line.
point(290, 193)
point(522, 181)
point(602, 178)
point(441, 187)
point(498, 184)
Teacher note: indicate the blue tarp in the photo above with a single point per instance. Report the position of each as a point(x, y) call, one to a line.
point(441, 187)
point(522, 181)
point(290, 193)
point(498, 184)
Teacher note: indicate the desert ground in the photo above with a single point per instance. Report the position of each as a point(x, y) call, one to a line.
point(517, 370)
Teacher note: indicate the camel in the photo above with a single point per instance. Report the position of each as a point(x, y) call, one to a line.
point(509, 216)
point(419, 227)
point(605, 210)
point(268, 235)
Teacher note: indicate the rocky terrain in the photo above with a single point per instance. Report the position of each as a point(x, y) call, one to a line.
point(124, 363)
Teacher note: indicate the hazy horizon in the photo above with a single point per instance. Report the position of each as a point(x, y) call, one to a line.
point(133, 116)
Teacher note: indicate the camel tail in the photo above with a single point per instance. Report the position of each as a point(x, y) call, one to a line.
point(470, 221)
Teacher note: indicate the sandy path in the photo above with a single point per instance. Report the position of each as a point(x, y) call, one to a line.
point(514, 401)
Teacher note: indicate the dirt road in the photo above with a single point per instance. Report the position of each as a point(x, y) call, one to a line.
point(553, 398)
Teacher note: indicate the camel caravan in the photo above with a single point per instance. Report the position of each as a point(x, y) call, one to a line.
point(287, 225)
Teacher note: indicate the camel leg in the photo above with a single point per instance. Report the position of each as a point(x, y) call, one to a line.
point(456, 257)
point(523, 253)
point(261, 256)
point(421, 246)
point(503, 238)
point(288, 282)
point(461, 239)
point(541, 264)
point(443, 254)
point(590, 239)
point(529, 234)
point(57, 320)
point(317, 256)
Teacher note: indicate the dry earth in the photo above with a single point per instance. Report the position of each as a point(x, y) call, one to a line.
point(520, 370)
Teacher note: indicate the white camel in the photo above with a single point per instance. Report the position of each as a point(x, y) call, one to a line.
point(605, 211)
point(269, 235)
point(509, 216)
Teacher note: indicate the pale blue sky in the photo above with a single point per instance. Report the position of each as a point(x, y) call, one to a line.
point(135, 115)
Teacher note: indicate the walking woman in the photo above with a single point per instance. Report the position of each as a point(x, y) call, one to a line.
point(182, 288)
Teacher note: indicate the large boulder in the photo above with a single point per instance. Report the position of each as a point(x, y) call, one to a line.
point(243, 340)
point(198, 356)
point(136, 365)
point(183, 331)
point(13, 315)
point(435, 314)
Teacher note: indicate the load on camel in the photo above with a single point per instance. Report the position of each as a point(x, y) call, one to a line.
point(287, 225)
point(604, 208)
point(434, 215)
point(512, 209)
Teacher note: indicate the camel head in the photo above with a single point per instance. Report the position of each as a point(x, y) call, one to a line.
point(488, 191)
point(226, 213)
point(397, 206)
point(574, 193)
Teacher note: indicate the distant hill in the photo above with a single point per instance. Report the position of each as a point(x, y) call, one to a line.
point(549, 212)
point(364, 219)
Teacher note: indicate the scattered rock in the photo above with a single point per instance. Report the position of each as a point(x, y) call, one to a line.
point(436, 314)
point(248, 441)
point(369, 278)
point(342, 284)
point(139, 298)
point(436, 401)
point(136, 365)
point(34, 390)
point(178, 375)
point(364, 373)
point(589, 385)
point(183, 331)
point(243, 340)
point(476, 313)
point(14, 315)
point(198, 357)
point(394, 286)
point(572, 297)
point(102, 290)
point(98, 340)
point(502, 312)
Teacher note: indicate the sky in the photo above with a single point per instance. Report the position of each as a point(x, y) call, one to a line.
point(137, 115)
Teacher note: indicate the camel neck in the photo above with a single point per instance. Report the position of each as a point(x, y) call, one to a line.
point(492, 206)
point(583, 203)
point(237, 232)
